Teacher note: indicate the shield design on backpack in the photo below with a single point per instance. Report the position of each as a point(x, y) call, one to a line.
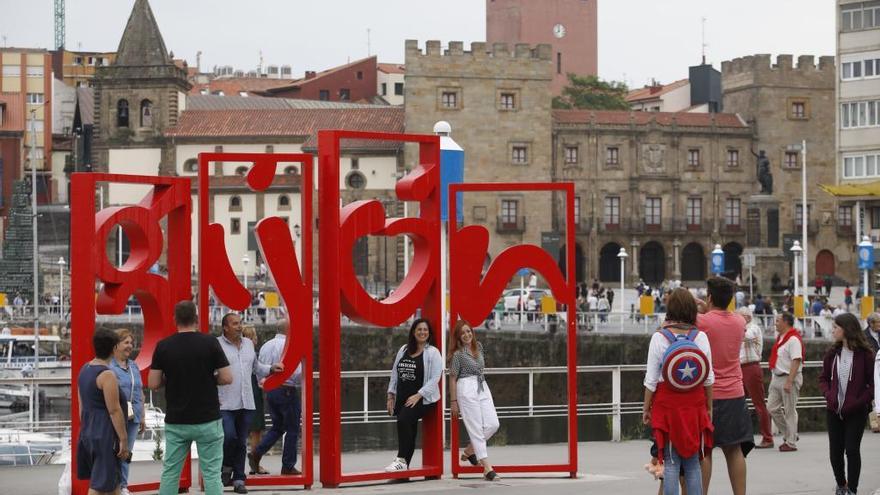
point(685, 368)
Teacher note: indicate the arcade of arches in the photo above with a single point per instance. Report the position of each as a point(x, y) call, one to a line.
point(655, 265)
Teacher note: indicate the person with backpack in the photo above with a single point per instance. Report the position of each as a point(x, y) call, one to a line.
point(678, 393)
point(847, 382)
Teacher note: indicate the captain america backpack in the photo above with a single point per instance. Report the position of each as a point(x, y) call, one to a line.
point(685, 366)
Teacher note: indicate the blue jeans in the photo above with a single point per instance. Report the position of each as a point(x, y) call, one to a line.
point(693, 480)
point(284, 408)
point(235, 434)
point(132, 429)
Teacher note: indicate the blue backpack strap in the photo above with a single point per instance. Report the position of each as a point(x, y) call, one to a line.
point(692, 334)
point(666, 333)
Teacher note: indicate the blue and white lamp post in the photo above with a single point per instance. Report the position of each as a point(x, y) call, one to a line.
point(866, 261)
point(717, 260)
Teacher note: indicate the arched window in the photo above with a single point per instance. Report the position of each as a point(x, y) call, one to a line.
point(122, 113)
point(291, 171)
point(242, 171)
point(146, 113)
point(235, 203)
point(283, 201)
point(191, 165)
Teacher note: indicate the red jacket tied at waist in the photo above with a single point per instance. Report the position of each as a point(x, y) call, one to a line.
point(682, 419)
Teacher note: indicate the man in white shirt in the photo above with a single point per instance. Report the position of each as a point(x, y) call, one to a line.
point(753, 375)
point(237, 399)
point(786, 381)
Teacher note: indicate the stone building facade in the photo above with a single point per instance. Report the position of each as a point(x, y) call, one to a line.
point(497, 101)
point(786, 103)
point(665, 186)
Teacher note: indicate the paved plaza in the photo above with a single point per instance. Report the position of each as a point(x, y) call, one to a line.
point(605, 468)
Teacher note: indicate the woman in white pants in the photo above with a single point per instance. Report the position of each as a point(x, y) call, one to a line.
point(471, 396)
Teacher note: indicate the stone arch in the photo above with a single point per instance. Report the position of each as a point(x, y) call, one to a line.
point(122, 113)
point(652, 263)
point(580, 262)
point(609, 263)
point(825, 263)
point(693, 262)
point(146, 113)
point(732, 260)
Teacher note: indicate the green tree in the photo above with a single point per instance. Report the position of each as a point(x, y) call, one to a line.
point(590, 92)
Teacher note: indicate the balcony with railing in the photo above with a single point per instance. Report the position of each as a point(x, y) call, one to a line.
point(583, 225)
point(730, 226)
point(812, 225)
point(845, 230)
point(510, 225)
point(684, 225)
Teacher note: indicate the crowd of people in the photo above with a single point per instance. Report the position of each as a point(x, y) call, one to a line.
point(692, 412)
point(702, 363)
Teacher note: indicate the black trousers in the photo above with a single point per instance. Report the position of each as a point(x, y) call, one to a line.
point(408, 428)
point(845, 436)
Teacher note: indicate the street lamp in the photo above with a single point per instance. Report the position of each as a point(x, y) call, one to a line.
point(796, 252)
point(61, 264)
point(622, 257)
point(802, 149)
point(245, 260)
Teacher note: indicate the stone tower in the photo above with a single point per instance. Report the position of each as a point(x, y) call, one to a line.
point(497, 99)
point(141, 94)
point(787, 102)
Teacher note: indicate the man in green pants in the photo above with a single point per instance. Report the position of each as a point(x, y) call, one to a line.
point(190, 365)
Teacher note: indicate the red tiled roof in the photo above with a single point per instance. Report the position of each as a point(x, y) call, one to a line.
point(618, 117)
point(13, 112)
point(654, 92)
point(232, 86)
point(392, 68)
point(290, 123)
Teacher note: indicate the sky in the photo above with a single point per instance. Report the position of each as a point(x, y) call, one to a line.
point(639, 40)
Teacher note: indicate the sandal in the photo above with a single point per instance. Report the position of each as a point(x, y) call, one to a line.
point(491, 476)
point(470, 458)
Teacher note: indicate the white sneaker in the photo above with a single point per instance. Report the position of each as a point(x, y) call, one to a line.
point(398, 465)
point(124, 491)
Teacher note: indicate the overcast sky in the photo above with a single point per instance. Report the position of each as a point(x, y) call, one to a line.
point(638, 39)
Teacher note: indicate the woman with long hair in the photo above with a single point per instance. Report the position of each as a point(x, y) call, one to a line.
point(414, 388)
point(847, 381)
point(132, 388)
point(471, 396)
point(679, 417)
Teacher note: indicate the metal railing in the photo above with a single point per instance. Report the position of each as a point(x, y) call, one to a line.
point(616, 408)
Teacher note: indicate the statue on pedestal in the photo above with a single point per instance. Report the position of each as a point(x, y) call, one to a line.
point(765, 178)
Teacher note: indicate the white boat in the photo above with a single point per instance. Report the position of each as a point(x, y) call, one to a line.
point(17, 357)
point(14, 396)
point(25, 448)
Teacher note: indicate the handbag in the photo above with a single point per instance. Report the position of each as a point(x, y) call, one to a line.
point(128, 404)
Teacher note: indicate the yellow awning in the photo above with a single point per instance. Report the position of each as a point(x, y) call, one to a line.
point(865, 189)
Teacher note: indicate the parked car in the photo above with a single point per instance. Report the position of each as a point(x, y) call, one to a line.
point(513, 297)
